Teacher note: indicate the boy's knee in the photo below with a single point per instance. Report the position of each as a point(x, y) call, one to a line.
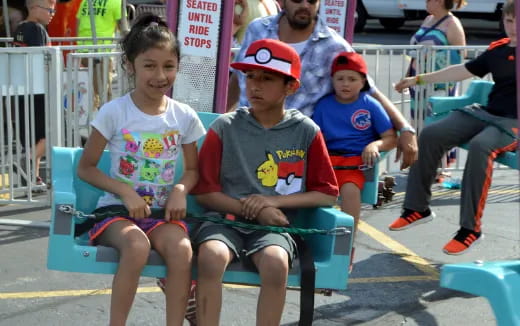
point(273, 265)
point(213, 258)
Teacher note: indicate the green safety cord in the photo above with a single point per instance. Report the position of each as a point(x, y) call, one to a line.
point(158, 213)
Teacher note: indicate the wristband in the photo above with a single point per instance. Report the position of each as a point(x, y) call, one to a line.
point(419, 80)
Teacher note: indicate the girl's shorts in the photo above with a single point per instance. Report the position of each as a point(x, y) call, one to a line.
point(145, 224)
point(343, 176)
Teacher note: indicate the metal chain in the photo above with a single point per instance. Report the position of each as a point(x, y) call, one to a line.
point(68, 209)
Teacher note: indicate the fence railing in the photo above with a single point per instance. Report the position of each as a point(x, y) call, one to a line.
point(76, 80)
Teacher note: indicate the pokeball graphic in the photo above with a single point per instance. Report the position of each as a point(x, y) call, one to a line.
point(263, 56)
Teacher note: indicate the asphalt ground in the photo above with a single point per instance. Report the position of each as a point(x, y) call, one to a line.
point(394, 282)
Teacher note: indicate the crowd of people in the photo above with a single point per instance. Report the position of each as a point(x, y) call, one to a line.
point(298, 86)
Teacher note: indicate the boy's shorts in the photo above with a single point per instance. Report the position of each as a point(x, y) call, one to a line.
point(145, 224)
point(356, 176)
point(244, 242)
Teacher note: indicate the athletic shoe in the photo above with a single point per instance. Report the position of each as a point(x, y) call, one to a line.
point(40, 186)
point(191, 309)
point(410, 218)
point(462, 242)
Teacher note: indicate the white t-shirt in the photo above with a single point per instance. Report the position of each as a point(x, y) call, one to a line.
point(144, 148)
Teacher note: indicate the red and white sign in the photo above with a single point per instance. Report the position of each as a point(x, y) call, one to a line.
point(334, 13)
point(198, 27)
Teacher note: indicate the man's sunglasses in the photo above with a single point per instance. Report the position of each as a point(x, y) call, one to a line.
point(311, 2)
point(49, 10)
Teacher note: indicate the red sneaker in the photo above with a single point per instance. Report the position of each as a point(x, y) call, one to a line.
point(462, 242)
point(410, 218)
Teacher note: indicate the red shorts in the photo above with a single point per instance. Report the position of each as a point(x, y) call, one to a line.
point(345, 176)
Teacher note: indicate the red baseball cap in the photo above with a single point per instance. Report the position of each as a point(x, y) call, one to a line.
point(271, 55)
point(349, 61)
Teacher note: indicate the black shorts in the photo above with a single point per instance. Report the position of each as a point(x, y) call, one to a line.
point(243, 242)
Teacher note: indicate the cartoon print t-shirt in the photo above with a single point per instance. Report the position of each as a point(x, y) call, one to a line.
point(144, 148)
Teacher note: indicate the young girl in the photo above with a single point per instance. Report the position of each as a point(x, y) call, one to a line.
point(356, 128)
point(145, 132)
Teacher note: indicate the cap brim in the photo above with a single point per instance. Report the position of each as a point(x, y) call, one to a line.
point(249, 66)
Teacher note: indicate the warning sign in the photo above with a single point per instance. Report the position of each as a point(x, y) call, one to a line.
point(333, 13)
point(198, 27)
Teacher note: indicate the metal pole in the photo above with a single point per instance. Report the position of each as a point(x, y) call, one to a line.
point(6, 18)
point(92, 21)
point(517, 55)
point(124, 20)
point(350, 21)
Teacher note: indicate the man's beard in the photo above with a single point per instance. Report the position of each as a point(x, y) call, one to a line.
point(299, 24)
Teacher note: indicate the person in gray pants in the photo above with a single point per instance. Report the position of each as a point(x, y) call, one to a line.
point(489, 130)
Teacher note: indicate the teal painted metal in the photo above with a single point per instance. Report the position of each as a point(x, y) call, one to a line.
point(74, 254)
point(477, 92)
point(497, 281)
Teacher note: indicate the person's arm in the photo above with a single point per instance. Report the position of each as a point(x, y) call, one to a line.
point(407, 144)
point(455, 33)
point(451, 73)
point(177, 204)
point(456, 36)
point(89, 172)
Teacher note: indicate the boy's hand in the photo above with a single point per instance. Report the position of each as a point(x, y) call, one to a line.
point(272, 216)
point(252, 205)
point(370, 154)
point(175, 208)
point(135, 204)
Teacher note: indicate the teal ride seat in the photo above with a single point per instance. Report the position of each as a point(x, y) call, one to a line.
point(67, 252)
point(498, 282)
point(477, 92)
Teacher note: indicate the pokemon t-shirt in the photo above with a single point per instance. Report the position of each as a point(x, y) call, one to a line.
point(144, 148)
point(240, 157)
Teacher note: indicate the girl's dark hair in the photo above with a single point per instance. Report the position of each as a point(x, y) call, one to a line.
point(148, 31)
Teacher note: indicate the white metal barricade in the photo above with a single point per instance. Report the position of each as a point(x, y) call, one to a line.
point(70, 103)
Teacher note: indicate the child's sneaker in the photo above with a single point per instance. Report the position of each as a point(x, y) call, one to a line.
point(410, 218)
point(40, 186)
point(463, 240)
point(191, 309)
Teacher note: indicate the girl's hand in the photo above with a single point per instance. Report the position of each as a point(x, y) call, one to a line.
point(370, 154)
point(135, 204)
point(252, 205)
point(176, 205)
point(272, 216)
point(404, 84)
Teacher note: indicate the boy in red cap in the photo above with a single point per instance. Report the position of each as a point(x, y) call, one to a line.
point(356, 128)
point(258, 164)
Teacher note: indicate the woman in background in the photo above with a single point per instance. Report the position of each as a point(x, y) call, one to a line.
point(440, 27)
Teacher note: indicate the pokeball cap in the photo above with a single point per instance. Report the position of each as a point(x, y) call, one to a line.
point(271, 55)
